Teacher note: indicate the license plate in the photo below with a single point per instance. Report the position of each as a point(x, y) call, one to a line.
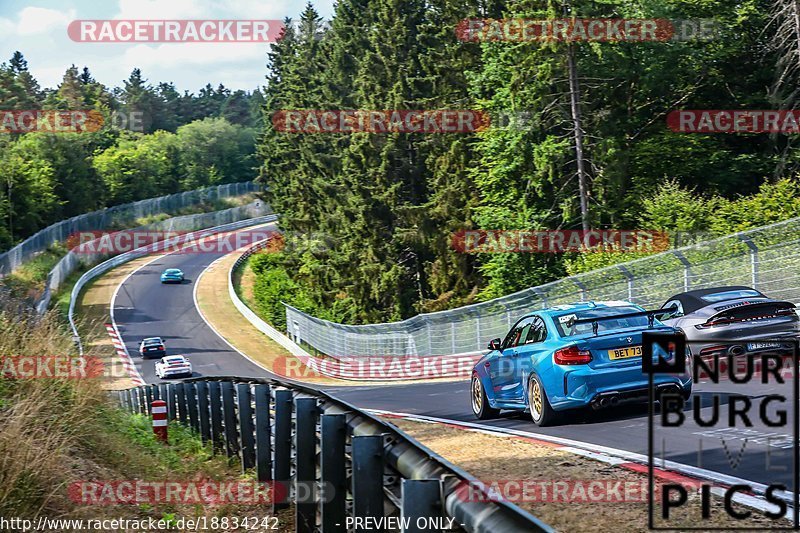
point(761, 345)
point(624, 353)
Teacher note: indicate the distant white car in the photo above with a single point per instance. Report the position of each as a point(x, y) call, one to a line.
point(173, 366)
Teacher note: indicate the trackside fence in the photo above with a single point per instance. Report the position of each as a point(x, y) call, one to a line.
point(766, 258)
point(325, 458)
point(113, 217)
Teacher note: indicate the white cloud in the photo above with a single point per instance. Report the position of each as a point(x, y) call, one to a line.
point(161, 9)
point(209, 55)
point(39, 20)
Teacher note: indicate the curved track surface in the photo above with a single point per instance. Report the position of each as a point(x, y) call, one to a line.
point(144, 307)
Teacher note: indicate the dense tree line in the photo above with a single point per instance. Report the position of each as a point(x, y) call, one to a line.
point(154, 141)
point(389, 203)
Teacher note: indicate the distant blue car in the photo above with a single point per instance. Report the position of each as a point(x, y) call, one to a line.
point(172, 275)
point(570, 357)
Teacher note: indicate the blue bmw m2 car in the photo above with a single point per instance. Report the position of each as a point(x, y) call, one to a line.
point(570, 357)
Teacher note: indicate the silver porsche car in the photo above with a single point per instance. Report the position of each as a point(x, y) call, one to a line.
point(709, 317)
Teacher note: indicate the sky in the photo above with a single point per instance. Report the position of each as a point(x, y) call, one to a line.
point(38, 29)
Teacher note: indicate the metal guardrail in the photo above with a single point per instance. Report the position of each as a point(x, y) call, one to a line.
point(257, 322)
point(114, 262)
point(766, 258)
point(105, 218)
point(345, 462)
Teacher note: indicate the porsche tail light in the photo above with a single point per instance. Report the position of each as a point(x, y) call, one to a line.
point(719, 348)
point(571, 355)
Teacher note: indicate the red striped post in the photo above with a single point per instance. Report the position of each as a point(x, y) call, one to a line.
point(159, 410)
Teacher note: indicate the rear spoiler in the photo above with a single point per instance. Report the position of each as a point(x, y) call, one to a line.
point(594, 321)
point(727, 315)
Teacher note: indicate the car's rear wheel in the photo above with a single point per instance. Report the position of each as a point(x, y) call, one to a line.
point(542, 413)
point(479, 401)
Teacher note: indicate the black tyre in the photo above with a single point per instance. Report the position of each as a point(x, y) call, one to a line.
point(542, 413)
point(479, 401)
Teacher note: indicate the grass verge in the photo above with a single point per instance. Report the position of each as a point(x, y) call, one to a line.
point(58, 434)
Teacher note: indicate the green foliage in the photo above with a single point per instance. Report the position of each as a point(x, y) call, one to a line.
point(391, 202)
point(274, 285)
point(187, 142)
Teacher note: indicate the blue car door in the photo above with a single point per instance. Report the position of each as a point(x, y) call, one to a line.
point(503, 367)
point(530, 344)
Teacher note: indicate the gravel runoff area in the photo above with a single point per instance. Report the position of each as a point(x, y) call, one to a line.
point(501, 461)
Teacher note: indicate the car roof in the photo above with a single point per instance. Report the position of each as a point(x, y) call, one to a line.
point(152, 339)
point(693, 300)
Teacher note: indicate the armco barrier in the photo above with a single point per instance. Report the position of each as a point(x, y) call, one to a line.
point(343, 368)
point(766, 258)
point(141, 252)
point(105, 218)
point(346, 463)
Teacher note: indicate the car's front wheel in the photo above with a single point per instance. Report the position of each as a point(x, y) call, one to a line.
point(541, 411)
point(479, 401)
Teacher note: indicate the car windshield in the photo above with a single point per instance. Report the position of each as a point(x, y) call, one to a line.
point(565, 330)
point(731, 295)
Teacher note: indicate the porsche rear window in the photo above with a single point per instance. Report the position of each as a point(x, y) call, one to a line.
point(731, 295)
point(562, 322)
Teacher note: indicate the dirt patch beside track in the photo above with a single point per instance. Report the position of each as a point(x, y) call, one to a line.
point(502, 460)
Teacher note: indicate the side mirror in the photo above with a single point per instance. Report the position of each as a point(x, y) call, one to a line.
point(494, 344)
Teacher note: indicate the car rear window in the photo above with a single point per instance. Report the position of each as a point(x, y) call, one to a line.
point(731, 295)
point(564, 330)
point(152, 342)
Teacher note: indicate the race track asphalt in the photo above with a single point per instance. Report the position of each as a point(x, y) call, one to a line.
point(144, 307)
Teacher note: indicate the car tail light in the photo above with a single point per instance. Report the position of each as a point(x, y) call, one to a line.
point(571, 355)
point(712, 349)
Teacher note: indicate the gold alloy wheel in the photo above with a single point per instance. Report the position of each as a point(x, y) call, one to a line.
point(535, 399)
point(477, 395)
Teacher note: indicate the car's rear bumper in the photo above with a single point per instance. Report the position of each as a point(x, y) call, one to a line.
point(171, 280)
point(583, 387)
point(176, 374)
point(150, 355)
